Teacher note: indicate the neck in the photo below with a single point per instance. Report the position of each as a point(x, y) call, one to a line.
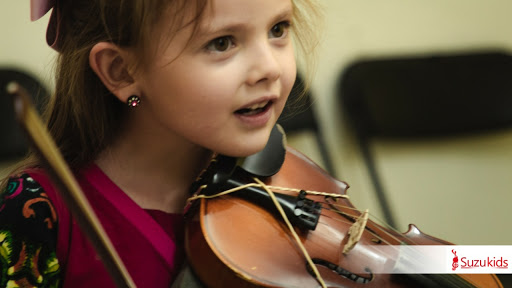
point(155, 172)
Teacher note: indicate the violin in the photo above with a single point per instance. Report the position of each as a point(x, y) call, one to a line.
point(239, 239)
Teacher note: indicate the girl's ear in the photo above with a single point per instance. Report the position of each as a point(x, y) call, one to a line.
point(111, 65)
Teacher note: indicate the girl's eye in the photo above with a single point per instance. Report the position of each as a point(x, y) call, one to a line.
point(279, 30)
point(220, 44)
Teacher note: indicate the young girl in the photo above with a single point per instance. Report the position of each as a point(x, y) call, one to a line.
point(145, 92)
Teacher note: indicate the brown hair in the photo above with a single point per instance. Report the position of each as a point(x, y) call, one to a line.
point(83, 116)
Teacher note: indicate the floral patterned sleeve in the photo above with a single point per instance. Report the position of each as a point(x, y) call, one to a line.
point(28, 235)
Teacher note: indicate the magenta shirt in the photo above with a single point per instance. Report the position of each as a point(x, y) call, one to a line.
point(149, 242)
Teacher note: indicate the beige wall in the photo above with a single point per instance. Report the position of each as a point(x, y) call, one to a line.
point(426, 190)
point(460, 190)
point(23, 42)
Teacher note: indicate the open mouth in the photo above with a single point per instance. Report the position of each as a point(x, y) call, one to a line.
point(254, 109)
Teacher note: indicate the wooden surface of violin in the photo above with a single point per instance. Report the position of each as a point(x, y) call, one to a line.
point(232, 242)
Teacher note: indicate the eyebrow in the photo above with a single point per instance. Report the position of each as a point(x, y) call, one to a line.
point(204, 31)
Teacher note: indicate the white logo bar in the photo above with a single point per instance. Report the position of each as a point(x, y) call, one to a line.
point(440, 259)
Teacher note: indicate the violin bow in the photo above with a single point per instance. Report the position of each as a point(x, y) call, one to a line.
point(47, 151)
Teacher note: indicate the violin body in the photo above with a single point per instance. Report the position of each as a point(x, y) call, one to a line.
point(232, 242)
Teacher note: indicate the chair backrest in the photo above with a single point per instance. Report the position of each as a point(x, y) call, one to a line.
point(12, 141)
point(424, 97)
point(428, 96)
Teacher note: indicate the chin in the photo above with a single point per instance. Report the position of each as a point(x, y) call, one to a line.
point(245, 144)
point(243, 150)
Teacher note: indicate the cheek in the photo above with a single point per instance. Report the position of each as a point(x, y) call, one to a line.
point(181, 87)
point(289, 74)
point(195, 101)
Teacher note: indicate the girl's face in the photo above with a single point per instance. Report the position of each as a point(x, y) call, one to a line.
point(225, 87)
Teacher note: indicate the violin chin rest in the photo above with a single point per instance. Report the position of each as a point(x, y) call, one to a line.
point(268, 161)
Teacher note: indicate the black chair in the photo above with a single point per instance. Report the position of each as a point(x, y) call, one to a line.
point(298, 116)
point(424, 97)
point(13, 143)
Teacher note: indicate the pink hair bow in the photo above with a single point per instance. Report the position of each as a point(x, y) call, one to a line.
point(38, 8)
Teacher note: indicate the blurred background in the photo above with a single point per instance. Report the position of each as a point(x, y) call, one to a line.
point(452, 181)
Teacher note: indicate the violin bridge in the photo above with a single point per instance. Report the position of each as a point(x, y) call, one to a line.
point(355, 232)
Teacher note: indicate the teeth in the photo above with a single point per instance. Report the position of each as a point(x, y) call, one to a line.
point(257, 106)
point(253, 109)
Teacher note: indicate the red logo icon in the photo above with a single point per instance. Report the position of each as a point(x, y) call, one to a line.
point(455, 263)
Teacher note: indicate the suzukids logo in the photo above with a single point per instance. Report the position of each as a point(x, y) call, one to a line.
point(485, 262)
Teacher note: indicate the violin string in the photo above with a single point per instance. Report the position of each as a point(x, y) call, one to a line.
point(379, 237)
point(350, 223)
point(455, 280)
point(292, 231)
point(372, 247)
point(375, 219)
point(347, 207)
point(325, 206)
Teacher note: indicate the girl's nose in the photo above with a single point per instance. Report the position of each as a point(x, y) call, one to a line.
point(264, 64)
